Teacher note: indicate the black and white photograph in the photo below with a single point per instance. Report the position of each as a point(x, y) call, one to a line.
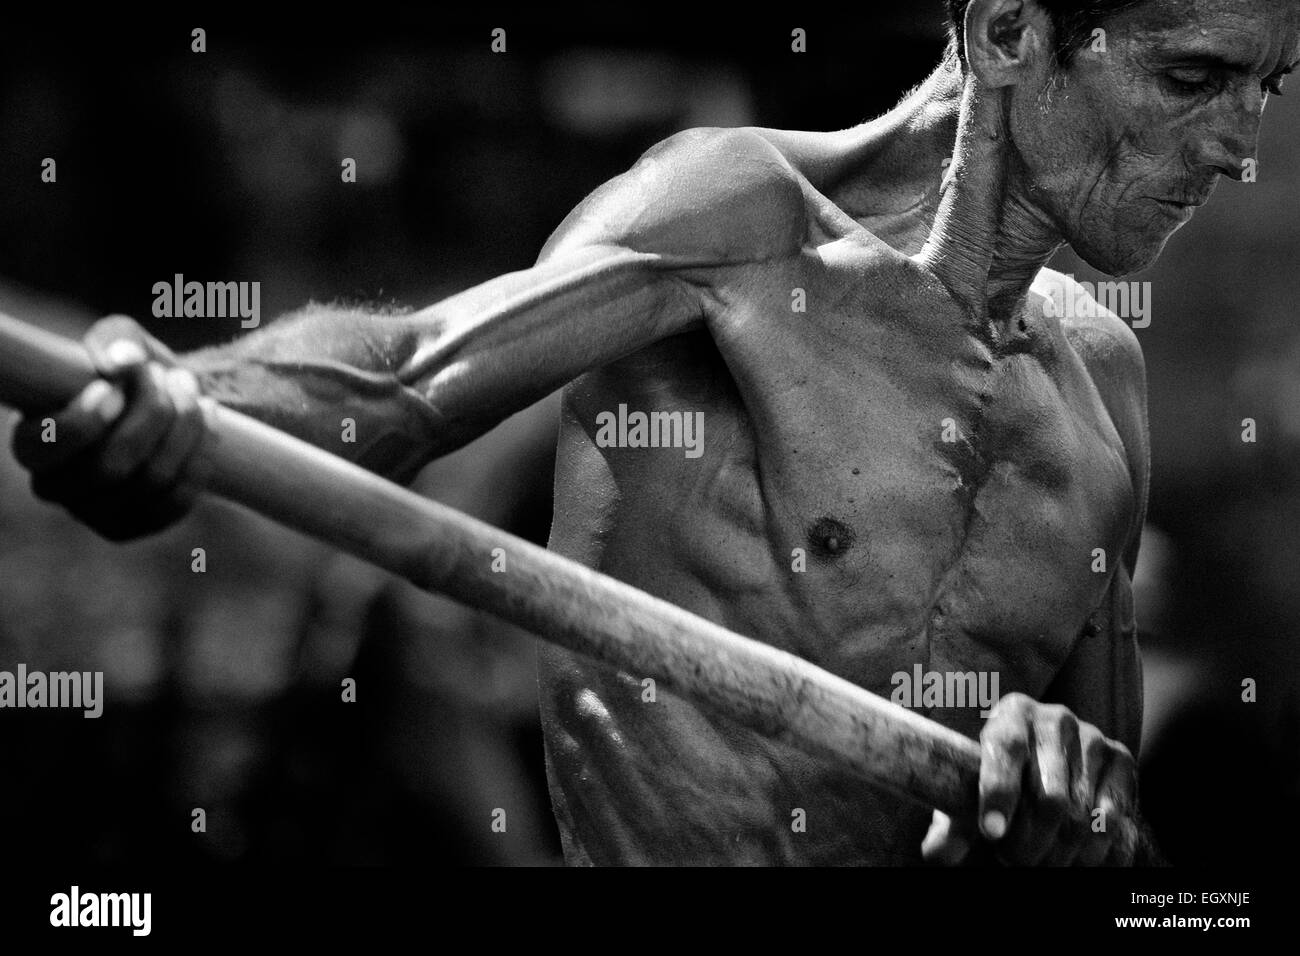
point(452, 440)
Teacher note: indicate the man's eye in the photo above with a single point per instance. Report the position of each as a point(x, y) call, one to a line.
point(1191, 80)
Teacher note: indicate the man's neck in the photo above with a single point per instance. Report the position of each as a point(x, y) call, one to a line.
point(890, 175)
point(989, 240)
point(1026, 240)
point(888, 171)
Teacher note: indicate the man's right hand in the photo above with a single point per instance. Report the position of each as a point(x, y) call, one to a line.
point(122, 447)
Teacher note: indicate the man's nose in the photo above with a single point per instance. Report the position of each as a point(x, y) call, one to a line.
point(1231, 142)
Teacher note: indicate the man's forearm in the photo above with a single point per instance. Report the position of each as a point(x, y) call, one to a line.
point(391, 392)
point(328, 375)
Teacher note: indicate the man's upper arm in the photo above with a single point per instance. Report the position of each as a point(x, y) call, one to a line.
point(634, 263)
point(716, 196)
point(630, 265)
point(1102, 679)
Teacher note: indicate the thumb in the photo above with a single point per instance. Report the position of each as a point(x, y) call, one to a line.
point(118, 343)
point(945, 843)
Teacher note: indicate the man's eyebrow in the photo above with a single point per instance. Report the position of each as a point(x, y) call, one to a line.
point(1221, 62)
point(1216, 60)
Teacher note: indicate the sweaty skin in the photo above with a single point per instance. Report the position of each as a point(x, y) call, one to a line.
point(906, 459)
point(823, 432)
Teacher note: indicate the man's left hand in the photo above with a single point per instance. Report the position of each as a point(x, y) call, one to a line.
point(1053, 791)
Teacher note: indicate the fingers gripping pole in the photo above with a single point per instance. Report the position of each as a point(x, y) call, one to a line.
point(775, 693)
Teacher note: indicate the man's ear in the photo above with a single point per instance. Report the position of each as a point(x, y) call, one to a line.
point(1003, 38)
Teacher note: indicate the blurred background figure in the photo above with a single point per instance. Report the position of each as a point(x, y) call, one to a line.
point(224, 688)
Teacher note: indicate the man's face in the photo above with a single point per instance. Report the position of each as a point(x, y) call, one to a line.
point(1119, 147)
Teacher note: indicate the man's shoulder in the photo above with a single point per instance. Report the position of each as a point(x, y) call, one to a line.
point(1105, 343)
point(712, 195)
point(1109, 350)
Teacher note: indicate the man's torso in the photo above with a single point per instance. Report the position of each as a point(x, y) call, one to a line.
point(881, 486)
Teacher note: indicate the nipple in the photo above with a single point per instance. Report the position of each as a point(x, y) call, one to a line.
point(830, 538)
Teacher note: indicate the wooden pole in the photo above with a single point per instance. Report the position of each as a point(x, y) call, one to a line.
point(775, 693)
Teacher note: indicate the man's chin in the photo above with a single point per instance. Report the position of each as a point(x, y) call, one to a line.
point(1126, 261)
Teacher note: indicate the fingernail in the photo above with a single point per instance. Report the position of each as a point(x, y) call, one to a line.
point(124, 352)
point(183, 378)
point(93, 394)
point(995, 824)
point(111, 405)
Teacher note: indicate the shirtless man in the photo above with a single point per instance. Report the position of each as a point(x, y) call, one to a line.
point(946, 453)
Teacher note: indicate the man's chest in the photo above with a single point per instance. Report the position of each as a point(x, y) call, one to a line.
point(938, 498)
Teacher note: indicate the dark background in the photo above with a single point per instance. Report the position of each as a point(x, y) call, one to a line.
point(223, 688)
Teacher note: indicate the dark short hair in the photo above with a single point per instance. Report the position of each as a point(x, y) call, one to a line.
point(1072, 23)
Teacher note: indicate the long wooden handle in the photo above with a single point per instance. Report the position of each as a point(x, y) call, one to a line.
point(439, 549)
